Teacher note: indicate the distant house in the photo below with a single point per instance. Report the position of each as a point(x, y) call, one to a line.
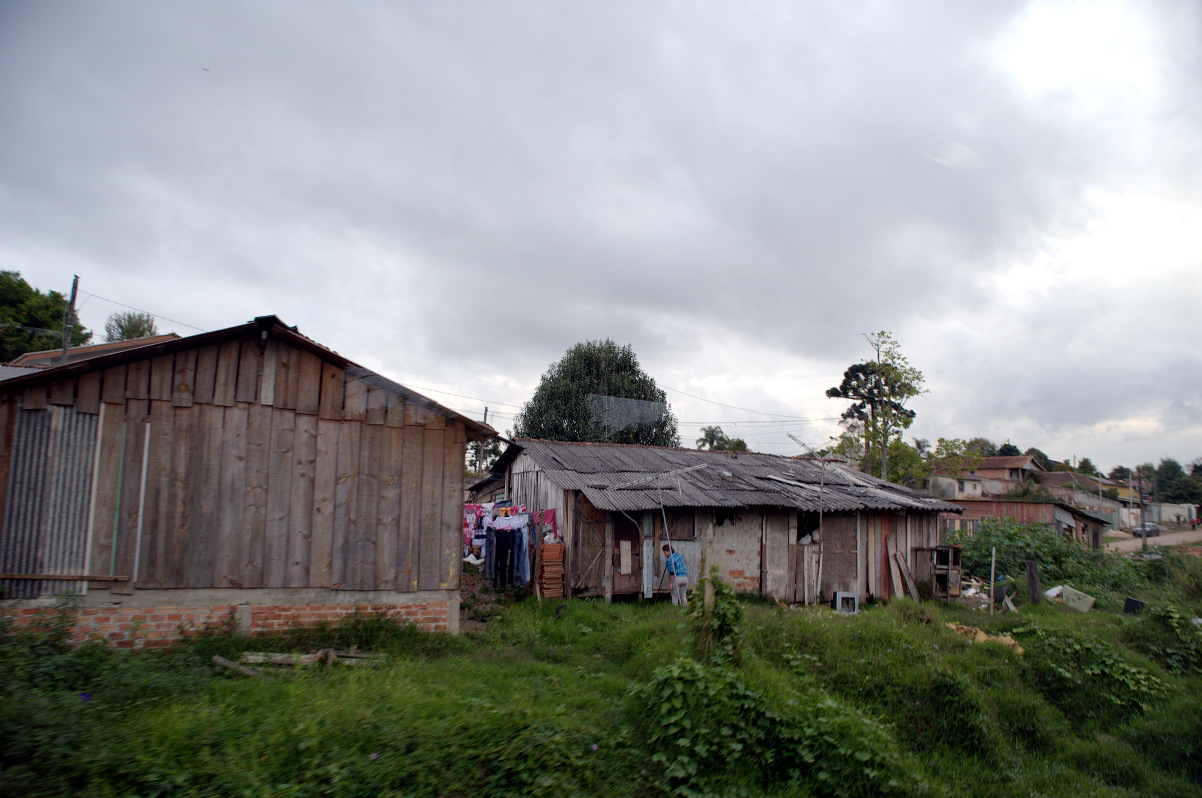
point(248, 470)
point(999, 474)
point(1080, 524)
point(54, 357)
point(952, 488)
point(757, 514)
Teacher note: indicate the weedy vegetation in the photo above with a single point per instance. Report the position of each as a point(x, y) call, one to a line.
point(637, 699)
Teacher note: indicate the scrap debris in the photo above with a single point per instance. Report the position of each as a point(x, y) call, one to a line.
point(981, 636)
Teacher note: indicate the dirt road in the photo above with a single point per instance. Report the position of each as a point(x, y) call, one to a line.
point(1163, 539)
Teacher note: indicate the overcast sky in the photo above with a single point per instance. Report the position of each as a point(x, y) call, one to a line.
point(455, 193)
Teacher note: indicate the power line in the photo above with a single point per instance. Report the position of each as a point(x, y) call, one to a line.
point(732, 407)
point(147, 312)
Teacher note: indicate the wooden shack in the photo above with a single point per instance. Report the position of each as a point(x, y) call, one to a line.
point(246, 474)
point(793, 529)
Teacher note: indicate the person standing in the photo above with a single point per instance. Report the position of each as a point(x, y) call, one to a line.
point(674, 564)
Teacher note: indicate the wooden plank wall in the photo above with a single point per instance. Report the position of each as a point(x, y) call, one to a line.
point(266, 467)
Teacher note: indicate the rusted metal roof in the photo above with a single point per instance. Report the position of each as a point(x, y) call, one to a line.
point(603, 472)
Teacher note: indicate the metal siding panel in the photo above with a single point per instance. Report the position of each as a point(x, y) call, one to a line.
point(21, 539)
point(69, 469)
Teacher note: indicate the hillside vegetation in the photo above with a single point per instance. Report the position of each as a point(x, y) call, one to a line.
point(635, 699)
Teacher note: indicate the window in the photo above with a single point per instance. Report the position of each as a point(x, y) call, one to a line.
point(723, 516)
point(960, 485)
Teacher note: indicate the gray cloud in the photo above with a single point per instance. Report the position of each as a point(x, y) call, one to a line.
point(462, 192)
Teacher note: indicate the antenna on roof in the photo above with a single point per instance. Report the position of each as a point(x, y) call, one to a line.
point(654, 477)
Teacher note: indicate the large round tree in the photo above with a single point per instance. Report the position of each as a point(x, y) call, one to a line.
point(598, 392)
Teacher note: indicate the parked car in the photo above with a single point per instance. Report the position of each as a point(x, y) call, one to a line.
point(1152, 530)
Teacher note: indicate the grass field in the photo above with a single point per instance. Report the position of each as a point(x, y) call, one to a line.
point(622, 700)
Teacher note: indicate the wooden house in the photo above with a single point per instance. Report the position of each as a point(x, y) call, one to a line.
point(789, 528)
point(247, 473)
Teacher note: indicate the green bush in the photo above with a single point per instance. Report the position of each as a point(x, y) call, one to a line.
point(1061, 559)
point(716, 632)
point(1090, 680)
point(1164, 635)
point(712, 733)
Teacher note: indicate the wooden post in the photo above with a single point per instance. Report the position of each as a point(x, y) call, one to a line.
point(1033, 591)
point(709, 585)
point(609, 558)
point(992, 578)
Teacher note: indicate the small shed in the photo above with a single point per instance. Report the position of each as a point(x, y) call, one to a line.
point(788, 528)
point(247, 472)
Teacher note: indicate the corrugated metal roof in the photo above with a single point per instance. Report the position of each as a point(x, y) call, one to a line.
point(604, 473)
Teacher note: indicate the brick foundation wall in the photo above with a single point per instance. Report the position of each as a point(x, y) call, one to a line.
point(138, 627)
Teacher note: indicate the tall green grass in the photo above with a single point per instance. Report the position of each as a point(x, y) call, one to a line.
point(594, 699)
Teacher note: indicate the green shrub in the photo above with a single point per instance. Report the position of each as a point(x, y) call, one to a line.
point(1061, 559)
point(1165, 636)
point(1089, 679)
point(712, 733)
point(716, 632)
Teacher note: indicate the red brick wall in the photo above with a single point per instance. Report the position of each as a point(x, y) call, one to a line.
point(136, 627)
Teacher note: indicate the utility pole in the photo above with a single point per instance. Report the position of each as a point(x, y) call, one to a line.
point(70, 318)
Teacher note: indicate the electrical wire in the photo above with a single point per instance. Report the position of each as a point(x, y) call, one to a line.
point(147, 312)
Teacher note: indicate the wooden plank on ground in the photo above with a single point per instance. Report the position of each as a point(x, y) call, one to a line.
point(907, 578)
point(231, 499)
point(346, 532)
point(300, 529)
point(330, 402)
point(308, 383)
point(62, 392)
point(390, 510)
point(375, 404)
point(137, 380)
point(324, 478)
point(161, 371)
point(226, 381)
point(87, 396)
point(362, 575)
point(355, 408)
point(250, 357)
point(113, 390)
point(254, 497)
point(894, 573)
point(429, 564)
point(279, 498)
point(183, 381)
point(206, 373)
point(409, 541)
point(179, 512)
point(450, 558)
point(286, 361)
point(202, 547)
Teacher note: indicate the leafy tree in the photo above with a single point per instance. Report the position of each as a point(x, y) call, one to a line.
point(1085, 466)
point(127, 325)
point(1119, 473)
point(982, 446)
point(953, 458)
point(1169, 470)
point(1195, 467)
point(31, 321)
point(879, 390)
point(481, 456)
point(565, 406)
point(907, 465)
point(922, 445)
point(1042, 459)
point(1008, 449)
point(715, 439)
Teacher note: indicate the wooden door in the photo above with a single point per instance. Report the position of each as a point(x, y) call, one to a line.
point(589, 549)
point(627, 556)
